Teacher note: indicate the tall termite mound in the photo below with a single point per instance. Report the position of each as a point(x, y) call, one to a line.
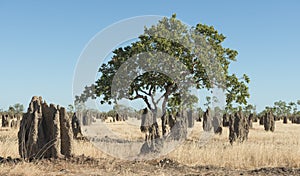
point(45, 131)
point(269, 122)
point(238, 128)
point(207, 121)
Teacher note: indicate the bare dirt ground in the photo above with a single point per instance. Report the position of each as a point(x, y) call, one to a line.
point(88, 166)
point(264, 153)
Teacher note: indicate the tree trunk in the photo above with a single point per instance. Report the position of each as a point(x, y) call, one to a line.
point(155, 124)
point(164, 115)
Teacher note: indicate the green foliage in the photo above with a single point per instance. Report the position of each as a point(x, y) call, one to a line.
point(281, 108)
point(176, 104)
point(249, 109)
point(217, 111)
point(111, 113)
point(71, 108)
point(293, 106)
point(124, 110)
point(19, 108)
point(11, 110)
point(208, 101)
point(237, 90)
point(80, 106)
point(200, 111)
point(16, 109)
point(180, 44)
point(89, 92)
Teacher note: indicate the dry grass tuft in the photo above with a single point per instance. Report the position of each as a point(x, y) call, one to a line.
point(9, 142)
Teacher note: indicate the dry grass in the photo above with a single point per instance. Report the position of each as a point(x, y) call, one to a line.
point(8, 142)
point(263, 149)
point(20, 169)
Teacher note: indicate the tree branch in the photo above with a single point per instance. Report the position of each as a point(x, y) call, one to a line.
point(142, 97)
point(144, 92)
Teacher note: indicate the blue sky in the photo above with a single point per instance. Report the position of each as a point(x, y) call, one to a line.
point(41, 41)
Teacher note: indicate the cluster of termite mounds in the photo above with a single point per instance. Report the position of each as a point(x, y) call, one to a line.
point(87, 117)
point(239, 124)
point(212, 122)
point(295, 119)
point(10, 120)
point(48, 131)
point(174, 128)
point(268, 121)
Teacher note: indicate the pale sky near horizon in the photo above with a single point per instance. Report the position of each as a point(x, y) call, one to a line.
point(41, 41)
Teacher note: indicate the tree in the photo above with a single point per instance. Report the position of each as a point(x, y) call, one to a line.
point(17, 108)
point(270, 109)
point(175, 106)
point(298, 104)
point(89, 92)
point(171, 45)
point(200, 113)
point(11, 110)
point(249, 109)
point(71, 108)
point(217, 111)
point(124, 110)
point(208, 101)
point(80, 105)
point(293, 106)
point(282, 108)
point(111, 113)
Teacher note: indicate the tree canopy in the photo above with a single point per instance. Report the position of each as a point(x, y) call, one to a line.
point(165, 63)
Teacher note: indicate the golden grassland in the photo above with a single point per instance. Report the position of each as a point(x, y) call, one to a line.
point(262, 149)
